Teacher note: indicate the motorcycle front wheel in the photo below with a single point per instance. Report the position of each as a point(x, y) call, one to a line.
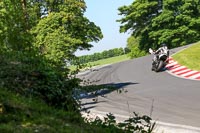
point(160, 65)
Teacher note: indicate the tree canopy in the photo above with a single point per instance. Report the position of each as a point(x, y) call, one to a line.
point(152, 22)
point(53, 28)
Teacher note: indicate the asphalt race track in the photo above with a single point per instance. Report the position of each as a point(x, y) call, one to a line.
point(162, 96)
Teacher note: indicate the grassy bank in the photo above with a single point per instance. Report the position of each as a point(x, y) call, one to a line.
point(189, 57)
point(111, 60)
point(19, 114)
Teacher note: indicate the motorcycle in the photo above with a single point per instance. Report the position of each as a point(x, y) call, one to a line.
point(160, 60)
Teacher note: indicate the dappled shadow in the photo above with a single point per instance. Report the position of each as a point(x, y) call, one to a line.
point(119, 85)
point(105, 89)
point(87, 108)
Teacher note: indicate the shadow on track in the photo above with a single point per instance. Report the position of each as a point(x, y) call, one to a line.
point(104, 89)
point(108, 88)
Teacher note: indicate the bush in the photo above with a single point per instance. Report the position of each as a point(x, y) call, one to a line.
point(136, 52)
point(136, 124)
point(31, 76)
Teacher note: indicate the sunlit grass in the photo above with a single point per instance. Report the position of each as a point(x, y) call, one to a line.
point(189, 57)
point(111, 60)
point(21, 114)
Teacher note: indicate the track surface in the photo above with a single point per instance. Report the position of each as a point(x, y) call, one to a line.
point(164, 97)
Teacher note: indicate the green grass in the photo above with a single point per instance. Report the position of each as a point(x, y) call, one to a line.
point(20, 114)
point(189, 57)
point(111, 60)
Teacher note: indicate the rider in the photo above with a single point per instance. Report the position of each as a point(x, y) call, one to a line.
point(161, 50)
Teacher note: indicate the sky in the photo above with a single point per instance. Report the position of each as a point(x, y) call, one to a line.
point(104, 14)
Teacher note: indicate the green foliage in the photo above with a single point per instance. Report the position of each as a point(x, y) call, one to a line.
point(27, 114)
point(137, 123)
point(34, 48)
point(63, 31)
point(58, 36)
point(13, 26)
point(99, 56)
point(138, 15)
point(133, 45)
point(174, 22)
point(136, 52)
point(175, 25)
point(52, 39)
point(20, 114)
point(32, 76)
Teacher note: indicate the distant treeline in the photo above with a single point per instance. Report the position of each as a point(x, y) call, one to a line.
point(101, 55)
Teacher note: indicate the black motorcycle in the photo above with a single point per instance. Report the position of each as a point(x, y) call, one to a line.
point(160, 60)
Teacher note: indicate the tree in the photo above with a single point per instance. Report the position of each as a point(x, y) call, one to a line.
point(138, 15)
point(13, 27)
point(57, 36)
point(178, 24)
point(64, 30)
point(133, 45)
point(175, 22)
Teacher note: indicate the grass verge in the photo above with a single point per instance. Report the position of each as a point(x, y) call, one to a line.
point(111, 60)
point(27, 115)
point(189, 57)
